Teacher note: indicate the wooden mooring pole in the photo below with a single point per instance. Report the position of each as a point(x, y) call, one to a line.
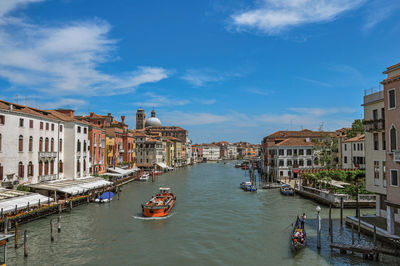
point(5, 224)
point(59, 223)
point(25, 243)
point(341, 211)
point(352, 233)
point(359, 228)
point(51, 230)
point(16, 235)
point(374, 235)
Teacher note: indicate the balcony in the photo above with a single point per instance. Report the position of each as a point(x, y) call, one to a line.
point(396, 156)
point(47, 155)
point(374, 125)
point(43, 178)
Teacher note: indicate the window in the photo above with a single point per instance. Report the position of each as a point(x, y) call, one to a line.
point(383, 113)
point(383, 141)
point(52, 145)
point(78, 166)
point(41, 125)
point(60, 167)
point(30, 169)
point(52, 127)
point(393, 138)
point(301, 152)
point(46, 145)
point(376, 141)
point(84, 165)
point(1, 172)
point(354, 147)
point(361, 145)
point(295, 152)
point(47, 126)
point(0, 144)
point(61, 128)
point(394, 177)
point(376, 169)
point(60, 147)
point(384, 173)
point(345, 147)
point(79, 129)
point(21, 143)
point(289, 162)
point(78, 146)
point(20, 169)
point(392, 98)
point(52, 167)
point(84, 146)
point(281, 173)
point(40, 168)
point(308, 151)
point(289, 152)
point(2, 119)
point(30, 123)
point(21, 122)
point(345, 159)
point(301, 163)
point(30, 143)
point(41, 144)
point(281, 163)
point(85, 130)
point(358, 147)
point(375, 114)
point(281, 152)
point(46, 167)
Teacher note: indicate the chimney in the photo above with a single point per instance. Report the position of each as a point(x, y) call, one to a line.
point(307, 139)
point(123, 119)
point(11, 107)
point(91, 114)
point(68, 112)
point(109, 114)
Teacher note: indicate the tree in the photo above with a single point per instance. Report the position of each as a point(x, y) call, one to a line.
point(356, 127)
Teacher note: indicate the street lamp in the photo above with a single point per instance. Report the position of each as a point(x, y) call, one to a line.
point(318, 209)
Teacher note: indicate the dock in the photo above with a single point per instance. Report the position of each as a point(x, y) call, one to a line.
point(369, 251)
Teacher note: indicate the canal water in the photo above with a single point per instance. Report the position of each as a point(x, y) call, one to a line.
point(213, 222)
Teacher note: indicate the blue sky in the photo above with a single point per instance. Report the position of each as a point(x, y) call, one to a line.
point(225, 69)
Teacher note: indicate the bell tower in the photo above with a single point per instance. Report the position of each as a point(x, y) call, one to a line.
point(140, 118)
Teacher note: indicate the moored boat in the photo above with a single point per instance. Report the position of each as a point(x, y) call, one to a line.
point(238, 165)
point(159, 205)
point(287, 190)
point(105, 197)
point(144, 177)
point(248, 186)
point(298, 237)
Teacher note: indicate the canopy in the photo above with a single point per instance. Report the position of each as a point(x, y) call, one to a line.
point(106, 195)
point(122, 172)
point(162, 165)
point(21, 201)
point(338, 184)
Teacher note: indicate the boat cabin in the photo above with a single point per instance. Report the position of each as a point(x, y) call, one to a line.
point(164, 190)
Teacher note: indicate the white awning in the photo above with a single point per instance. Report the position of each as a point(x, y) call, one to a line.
point(162, 165)
point(123, 172)
point(22, 202)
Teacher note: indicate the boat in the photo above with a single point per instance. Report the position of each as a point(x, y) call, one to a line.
point(105, 197)
point(159, 205)
point(245, 167)
point(238, 165)
point(298, 237)
point(286, 190)
point(157, 173)
point(144, 177)
point(247, 186)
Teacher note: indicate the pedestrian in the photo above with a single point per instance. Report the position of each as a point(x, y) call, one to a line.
point(303, 220)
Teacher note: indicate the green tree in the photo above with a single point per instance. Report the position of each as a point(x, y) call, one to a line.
point(356, 127)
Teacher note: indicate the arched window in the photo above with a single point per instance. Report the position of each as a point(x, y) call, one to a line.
point(46, 167)
point(60, 147)
point(30, 169)
point(52, 167)
point(84, 165)
point(393, 138)
point(1, 172)
point(84, 145)
point(30, 143)
point(40, 168)
point(52, 145)
point(78, 166)
point(46, 145)
point(78, 146)
point(20, 169)
point(0, 142)
point(60, 167)
point(41, 144)
point(21, 143)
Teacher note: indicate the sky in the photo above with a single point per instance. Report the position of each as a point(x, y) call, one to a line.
point(234, 70)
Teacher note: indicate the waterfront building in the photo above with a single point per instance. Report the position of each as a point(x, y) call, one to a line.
point(170, 153)
point(110, 150)
point(97, 138)
point(140, 119)
point(149, 152)
point(227, 150)
point(353, 152)
point(188, 153)
point(31, 145)
point(197, 153)
point(392, 126)
point(375, 148)
point(210, 152)
point(288, 157)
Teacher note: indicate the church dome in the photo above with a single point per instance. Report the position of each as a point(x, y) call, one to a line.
point(153, 122)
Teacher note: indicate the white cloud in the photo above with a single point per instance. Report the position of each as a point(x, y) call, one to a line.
point(260, 92)
point(322, 111)
point(207, 101)
point(379, 11)
point(316, 82)
point(155, 100)
point(64, 60)
point(202, 77)
point(7, 6)
point(63, 102)
point(274, 16)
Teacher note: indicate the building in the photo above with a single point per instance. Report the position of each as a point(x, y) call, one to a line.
point(97, 138)
point(353, 152)
point(149, 152)
point(375, 148)
point(31, 145)
point(140, 119)
point(289, 156)
point(210, 152)
point(392, 126)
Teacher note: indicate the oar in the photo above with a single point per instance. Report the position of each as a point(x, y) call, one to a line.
point(286, 227)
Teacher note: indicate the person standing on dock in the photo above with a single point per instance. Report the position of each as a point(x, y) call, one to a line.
point(303, 220)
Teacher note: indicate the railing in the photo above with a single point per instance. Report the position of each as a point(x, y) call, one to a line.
point(374, 125)
point(43, 178)
point(47, 154)
point(396, 156)
point(367, 197)
point(326, 194)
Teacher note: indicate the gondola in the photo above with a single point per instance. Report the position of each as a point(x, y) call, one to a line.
point(298, 237)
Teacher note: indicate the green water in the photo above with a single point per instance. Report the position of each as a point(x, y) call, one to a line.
point(213, 222)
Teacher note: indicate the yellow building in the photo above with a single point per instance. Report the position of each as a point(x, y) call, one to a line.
point(170, 153)
point(110, 150)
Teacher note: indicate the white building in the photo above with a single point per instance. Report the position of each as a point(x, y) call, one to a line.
point(31, 145)
point(188, 145)
point(375, 148)
point(353, 153)
point(211, 152)
point(290, 156)
point(149, 152)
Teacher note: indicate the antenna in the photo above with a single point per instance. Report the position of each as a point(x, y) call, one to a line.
point(321, 126)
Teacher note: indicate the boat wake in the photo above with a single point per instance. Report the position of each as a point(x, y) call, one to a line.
point(141, 217)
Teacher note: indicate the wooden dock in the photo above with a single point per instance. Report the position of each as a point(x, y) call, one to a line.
point(370, 251)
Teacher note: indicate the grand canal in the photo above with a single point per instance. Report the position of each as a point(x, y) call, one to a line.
point(213, 223)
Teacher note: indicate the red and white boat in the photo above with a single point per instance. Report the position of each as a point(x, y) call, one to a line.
point(159, 205)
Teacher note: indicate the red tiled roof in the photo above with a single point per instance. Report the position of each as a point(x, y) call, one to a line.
point(294, 142)
point(356, 138)
point(303, 133)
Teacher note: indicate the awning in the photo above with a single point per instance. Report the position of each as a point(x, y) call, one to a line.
point(296, 171)
point(162, 165)
point(123, 172)
point(21, 202)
